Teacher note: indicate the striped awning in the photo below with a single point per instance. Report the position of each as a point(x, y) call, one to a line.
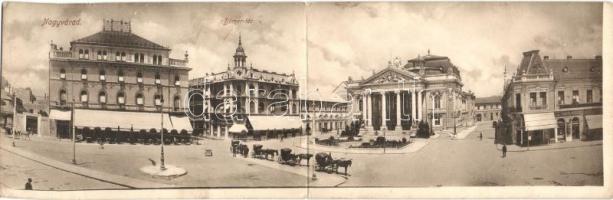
point(275, 122)
point(60, 115)
point(539, 121)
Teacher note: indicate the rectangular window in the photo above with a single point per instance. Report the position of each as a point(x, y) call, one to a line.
point(63, 76)
point(177, 83)
point(120, 78)
point(139, 101)
point(437, 120)
point(83, 76)
point(104, 55)
point(575, 96)
point(102, 77)
point(543, 98)
point(158, 101)
point(532, 98)
point(139, 79)
point(86, 54)
point(158, 81)
point(560, 97)
point(84, 98)
point(102, 99)
point(589, 96)
point(121, 100)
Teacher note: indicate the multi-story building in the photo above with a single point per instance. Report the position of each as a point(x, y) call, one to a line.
point(425, 88)
point(487, 108)
point(118, 80)
point(552, 100)
point(247, 101)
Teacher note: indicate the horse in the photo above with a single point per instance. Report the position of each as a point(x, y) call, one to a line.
point(271, 152)
point(306, 156)
point(342, 163)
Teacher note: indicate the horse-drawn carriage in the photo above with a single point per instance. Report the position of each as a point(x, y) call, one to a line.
point(326, 163)
point(287, 157)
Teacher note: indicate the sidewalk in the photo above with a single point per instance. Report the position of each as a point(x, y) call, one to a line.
point(75, 169)
point(561, 145)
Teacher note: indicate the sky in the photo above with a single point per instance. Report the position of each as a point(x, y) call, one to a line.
point(334, 40)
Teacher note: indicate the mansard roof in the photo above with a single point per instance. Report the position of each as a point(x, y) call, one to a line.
point(119, 39)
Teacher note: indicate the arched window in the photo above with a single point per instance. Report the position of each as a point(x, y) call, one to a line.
point(120, 76)
point(104, 55)
point(141, 58)
point(83, 74)
point(158, 100)
point(123, 56)
point(159, 60)
point(99, 55)
point(84, 97)
point(102, 97)
point(139, 99)
point(177, 80)
point(63, 97)
point(102, 75)
point(437, 102)
point(86, 54)
point(81, 56)
point(139, 77)
point(176, 103)
point(117, 56)
point(136, 55)
point(157, 78)
point(121, 98)
point(62, 73)
point(155, 59)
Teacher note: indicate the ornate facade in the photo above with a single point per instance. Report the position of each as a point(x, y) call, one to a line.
point(552, 100)
point(114, 70)
point(425, 88)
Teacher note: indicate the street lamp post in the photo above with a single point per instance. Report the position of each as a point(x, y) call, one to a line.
point(14, 114)
point(162, 166)
point(73, 127)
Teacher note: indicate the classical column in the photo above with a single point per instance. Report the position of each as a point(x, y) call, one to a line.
point(257, 99)
point(289, 102)
point(364, 116)
point(419, 104)
point(398, 111)
point(413, 113)
point(247, 99)
point(383, 110)
point(369, 110)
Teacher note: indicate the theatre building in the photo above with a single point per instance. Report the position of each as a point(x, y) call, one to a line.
point(115, 80)
point(553, 100)
point(427, 88)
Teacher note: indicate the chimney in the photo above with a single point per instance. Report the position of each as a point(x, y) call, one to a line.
point(569, 57)
point(546, 57)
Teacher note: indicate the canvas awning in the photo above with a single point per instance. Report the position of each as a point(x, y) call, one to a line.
point(123, 120)
point(60, 115)
point(181, 123)
point(275, 122)
point(238, 128)
point(594, 121)
point(539, 121)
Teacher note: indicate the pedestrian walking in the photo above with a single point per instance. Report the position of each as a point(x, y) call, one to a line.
point(29, 184)
point(481, 135)
point(504, 150)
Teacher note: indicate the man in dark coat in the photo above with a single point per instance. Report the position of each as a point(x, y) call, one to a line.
point(29, 184)
point(504, 150)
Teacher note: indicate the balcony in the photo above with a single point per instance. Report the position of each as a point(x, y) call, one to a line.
point(177, 63)
point(580, 105)
point(61, 54)
point(538, 107)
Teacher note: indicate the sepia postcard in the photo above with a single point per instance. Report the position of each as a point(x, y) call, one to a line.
point(306, 100)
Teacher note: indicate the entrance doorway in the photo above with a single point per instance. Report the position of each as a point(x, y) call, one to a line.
point(63, 128)
point(32, 124)
point(575, 128)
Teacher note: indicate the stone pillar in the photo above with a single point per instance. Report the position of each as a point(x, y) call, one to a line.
point(369, 111)
point(419, 105)
point(555, 133)
point(218, 131)
point(364, 107)
point(413, 113)
point(247, 99)
point(398, 111)
point(383, 111)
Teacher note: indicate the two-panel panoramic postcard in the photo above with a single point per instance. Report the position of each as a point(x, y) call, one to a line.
point(306, 100)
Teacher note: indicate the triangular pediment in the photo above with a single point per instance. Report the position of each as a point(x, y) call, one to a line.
point(391, 75)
